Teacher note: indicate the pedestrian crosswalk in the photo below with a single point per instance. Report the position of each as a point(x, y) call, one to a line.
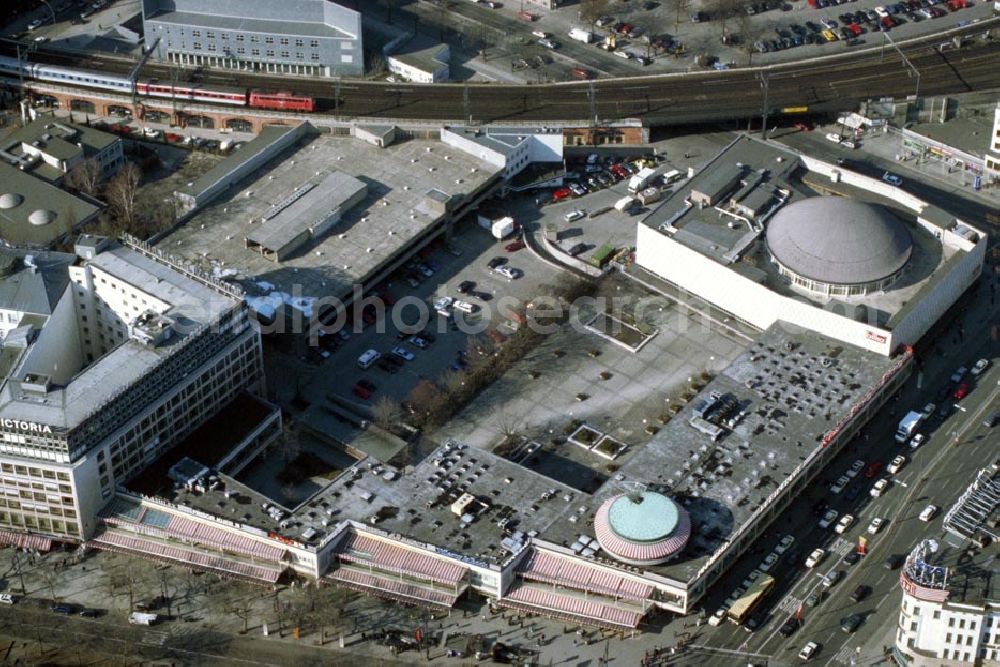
point(847, 655)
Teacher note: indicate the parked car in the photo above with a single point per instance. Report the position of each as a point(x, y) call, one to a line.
point(845, 522)
point(418, 342)
point(466, 286)
point(851, 623)
point(514, 247)
point(790, 625)
point(979, 367)
point(573, 215)
point(880, 487)
point(893, 562)
point(815, 557)
point(808, 651)
point(828, 518)
point(896, 465)
point(860, 593)
point(496, 262)
point(7, 598)
point(892, 179)
point(961, 391)
point(508, 272)
point(403, 353)
point(929, 512)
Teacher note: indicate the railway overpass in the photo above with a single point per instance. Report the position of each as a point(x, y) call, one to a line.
point(826, 84)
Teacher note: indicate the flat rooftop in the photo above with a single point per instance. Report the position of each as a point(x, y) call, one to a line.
point(503, 140)
point(192, 304)
point(422, 54)
point(973, 573)
point(970, 135)
point(721, 238)
point(395, 211)
point(35, 200)
point(251, 25)
point(791, 388)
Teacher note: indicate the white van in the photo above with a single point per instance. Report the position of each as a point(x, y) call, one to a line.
point(368, 358)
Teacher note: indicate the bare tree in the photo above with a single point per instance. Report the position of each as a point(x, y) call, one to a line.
point(85, 176)
point(52, 579)
point(122, 192)
point(724, 11)
point(750, 34)
point(591, 10)
point(387, 412)
point(678, 7)
point(506, 424)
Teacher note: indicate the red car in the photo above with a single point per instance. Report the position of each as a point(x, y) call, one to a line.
point(962, 391)
point(514, 247)
point(873, 469)
point(361, 392)
point(887, 22)
point(561, 193)
point(855, 29)
point(803, 127)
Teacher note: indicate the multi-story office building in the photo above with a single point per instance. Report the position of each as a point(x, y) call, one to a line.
point(308, 37)
point(950, 611)
point(109, 358)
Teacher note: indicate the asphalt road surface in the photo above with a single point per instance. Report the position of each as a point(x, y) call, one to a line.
point(938, 472)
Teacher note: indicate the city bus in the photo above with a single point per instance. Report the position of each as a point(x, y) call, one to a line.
point(747, 602)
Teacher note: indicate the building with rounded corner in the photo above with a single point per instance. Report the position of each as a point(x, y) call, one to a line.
point(771, 235)
point(837, 246)
point(642, 529)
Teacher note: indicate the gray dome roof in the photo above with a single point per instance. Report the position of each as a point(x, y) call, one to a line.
point(41, 216)
point(10, 200)
point(838, 240)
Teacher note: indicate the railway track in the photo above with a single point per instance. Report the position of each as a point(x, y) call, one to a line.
point(824, 85)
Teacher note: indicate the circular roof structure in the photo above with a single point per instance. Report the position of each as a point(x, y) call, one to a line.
point(10, 200)
point(41, 217)
point(838, 240)
point(642, 529)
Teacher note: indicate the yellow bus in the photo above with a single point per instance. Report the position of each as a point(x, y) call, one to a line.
point(747, 602)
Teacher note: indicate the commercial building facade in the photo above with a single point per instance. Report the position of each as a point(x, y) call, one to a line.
point(306, 37)
point(135, 354)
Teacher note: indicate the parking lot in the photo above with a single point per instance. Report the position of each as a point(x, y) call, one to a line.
point(652, 37)
point(442, 338)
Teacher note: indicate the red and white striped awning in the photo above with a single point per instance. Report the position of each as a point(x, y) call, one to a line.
point(384, 555)
point(562, 570)
point(592, 611)
point(641, 553)
point(139, 546)
point(26, 541)
point(392, 589)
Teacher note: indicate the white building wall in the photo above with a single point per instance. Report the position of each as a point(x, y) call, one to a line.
point(472, 148)
point(547, 147)
point(57, 351)
point(744, 298)
point(947, 290)
point(935, 633)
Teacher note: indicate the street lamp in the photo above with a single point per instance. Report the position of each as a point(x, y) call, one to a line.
point(906, 61)
point(51, 11)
